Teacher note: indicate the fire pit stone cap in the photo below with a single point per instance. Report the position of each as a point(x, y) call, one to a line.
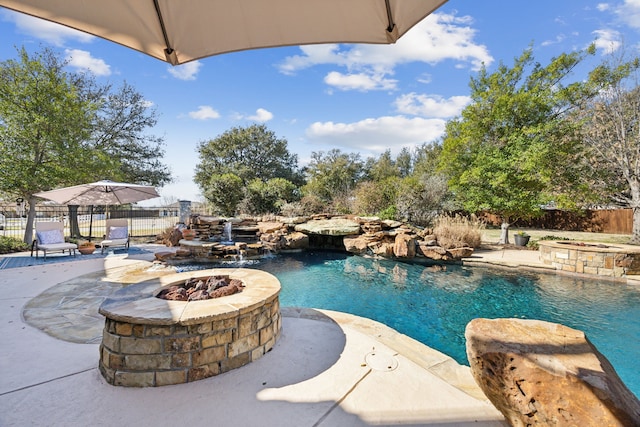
point(138, 304)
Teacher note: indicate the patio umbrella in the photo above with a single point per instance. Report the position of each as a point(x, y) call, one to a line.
point(100, 193)
point(182, 31)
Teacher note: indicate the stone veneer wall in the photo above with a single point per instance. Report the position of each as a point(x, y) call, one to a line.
point(148, 355)
point(149, 342)
point(612, 261)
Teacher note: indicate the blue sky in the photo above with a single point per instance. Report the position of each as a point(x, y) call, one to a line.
point(357, 98)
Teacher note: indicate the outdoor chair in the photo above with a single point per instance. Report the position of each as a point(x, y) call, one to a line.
point(117, 234)
point(50, 238)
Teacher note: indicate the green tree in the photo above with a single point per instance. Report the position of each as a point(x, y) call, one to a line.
point(248, 152)
point(57, 129)
point(381, 168)
point(426, 159)
point(128, 153)
point(224, 192)
point(510, 151)
point(268, 197)
point(404, 162)
point(421, 198)
point(377, 197)
point(333, 175)
point(611, 134)
point(45, 123)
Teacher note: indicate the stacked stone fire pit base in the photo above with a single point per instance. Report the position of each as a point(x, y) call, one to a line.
point(149, 342)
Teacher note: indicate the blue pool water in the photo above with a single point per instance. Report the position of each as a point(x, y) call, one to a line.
point(434, 307)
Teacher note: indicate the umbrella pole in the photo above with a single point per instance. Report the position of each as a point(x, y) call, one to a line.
point(90, 221)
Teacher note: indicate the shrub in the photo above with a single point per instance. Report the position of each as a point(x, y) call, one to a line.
point(377, 197)
point(11, 244)
point(421, 199)
point(458, 231)
point(311, 204)
point(552, 237)
point(224, 192)
point(268, 197)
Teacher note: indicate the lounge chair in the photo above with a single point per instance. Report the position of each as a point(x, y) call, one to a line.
point(117, 234)
point(50, 238)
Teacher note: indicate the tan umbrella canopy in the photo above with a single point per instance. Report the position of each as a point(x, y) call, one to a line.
point(179, 31)
point(100, 193)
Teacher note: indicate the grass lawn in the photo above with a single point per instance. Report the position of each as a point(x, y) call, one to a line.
point(492, 235)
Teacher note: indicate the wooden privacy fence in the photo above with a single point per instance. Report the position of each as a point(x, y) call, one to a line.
point(614, 221)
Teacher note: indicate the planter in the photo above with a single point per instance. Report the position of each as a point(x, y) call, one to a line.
point(188, 234)
point(87, 249)
point(522, 240)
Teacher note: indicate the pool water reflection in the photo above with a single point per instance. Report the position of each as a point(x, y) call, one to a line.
point(434, 307)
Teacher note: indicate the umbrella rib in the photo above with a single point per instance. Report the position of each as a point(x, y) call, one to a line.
point(389, 16)
point(168, 52)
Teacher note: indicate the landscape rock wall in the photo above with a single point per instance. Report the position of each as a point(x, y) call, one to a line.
point(358, 235)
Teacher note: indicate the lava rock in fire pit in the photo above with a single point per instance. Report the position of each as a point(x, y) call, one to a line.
point(202, 288)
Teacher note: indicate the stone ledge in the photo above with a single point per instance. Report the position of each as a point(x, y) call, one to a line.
point(616, 261)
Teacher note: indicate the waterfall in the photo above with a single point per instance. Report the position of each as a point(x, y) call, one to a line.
point(226, 233)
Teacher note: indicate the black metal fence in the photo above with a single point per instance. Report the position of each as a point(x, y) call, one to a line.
point(143, 221)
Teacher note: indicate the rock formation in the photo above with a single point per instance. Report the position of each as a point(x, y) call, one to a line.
point(202, 288)
point(545, 374)
point(358, 235)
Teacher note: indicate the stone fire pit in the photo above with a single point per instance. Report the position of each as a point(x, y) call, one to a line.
point(149, 342)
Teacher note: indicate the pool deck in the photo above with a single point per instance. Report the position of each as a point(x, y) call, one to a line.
point(327, 369)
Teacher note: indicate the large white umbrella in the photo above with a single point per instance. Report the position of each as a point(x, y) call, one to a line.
point(100, 193)
point(179, 31)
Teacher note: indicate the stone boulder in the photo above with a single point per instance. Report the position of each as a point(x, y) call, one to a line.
point(389, 223)
point(174, 237)
point(436, 253)
point(330, 227)
point(296, 240)
point(459, 253)
point(404, 246)
point(164, 255)
point(269, 227)
point(382, 248)
point(357, 244)
point(540, 374)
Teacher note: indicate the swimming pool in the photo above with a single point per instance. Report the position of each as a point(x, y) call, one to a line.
point(434, 307)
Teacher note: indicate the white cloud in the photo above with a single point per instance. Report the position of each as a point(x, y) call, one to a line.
point(437, 38)
point(374, 136)
point(55, 34)
point(359, 81)
point(559, 39)
point(607, 40)
point(425, 78)
point(603, 6)
point(204, 112)
point(629, 12)
point(82, 60)
point(431, 105)
point(261, 115)
point(186, 71)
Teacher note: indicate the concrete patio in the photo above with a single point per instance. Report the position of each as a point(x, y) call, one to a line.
point(327, 369)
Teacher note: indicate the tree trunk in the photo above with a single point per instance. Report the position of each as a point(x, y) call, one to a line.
point(28, 230)
point(73, 222)
point(504, 233)
point(634, 186)
point(635, 234)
